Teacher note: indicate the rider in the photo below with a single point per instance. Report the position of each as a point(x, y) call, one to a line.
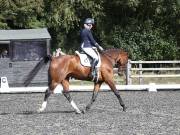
point(88, 43)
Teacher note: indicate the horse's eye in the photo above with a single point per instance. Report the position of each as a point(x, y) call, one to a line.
point(118, 62)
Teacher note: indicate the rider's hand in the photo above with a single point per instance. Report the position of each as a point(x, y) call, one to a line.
point(101, 49)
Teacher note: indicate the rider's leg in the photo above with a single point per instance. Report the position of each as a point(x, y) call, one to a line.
point(94, 57)
point(93, 66)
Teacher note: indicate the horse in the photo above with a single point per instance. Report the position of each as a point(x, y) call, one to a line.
point(63, 67)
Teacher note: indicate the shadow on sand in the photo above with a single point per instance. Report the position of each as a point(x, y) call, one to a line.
point(36, 112)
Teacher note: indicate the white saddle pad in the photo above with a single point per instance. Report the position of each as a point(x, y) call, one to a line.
point(86, 61)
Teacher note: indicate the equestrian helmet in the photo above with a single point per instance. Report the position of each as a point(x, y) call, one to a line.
point(89, 21)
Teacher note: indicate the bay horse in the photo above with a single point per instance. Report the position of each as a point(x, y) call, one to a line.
point(63, 67)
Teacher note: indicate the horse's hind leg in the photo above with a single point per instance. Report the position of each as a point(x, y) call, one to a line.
point(65, 84)
point(94, 96)
point(47, 94)
point(116, 92)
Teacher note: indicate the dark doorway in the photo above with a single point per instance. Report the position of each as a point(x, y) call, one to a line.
point(4, 50)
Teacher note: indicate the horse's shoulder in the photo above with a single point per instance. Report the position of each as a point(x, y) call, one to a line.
point(105, 60)
point(72, 57)
point(103, 56)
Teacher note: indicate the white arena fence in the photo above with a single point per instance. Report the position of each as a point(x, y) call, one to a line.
point(135, 69)
point(149, 87)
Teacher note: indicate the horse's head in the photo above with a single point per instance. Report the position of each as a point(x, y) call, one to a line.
point(118, 57)
point(122, 62)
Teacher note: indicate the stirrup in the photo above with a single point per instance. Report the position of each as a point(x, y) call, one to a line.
point(93, 74)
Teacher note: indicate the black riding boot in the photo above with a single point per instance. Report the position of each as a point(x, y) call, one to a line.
point(93, 65)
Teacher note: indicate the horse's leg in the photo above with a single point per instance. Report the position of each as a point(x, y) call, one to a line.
point(94, 96)
point(52, 86)
point(65, 84)
point(47, 94)
point(116, 92)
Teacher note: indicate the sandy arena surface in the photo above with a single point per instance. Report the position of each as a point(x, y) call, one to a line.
point(148, 113)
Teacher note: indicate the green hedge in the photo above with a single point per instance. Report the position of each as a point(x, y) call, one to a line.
point(146, 44)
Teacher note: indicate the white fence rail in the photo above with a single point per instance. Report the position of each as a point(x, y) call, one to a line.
point(140, 70)
point(149, 87)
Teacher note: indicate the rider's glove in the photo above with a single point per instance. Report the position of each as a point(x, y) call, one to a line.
point(99, 47)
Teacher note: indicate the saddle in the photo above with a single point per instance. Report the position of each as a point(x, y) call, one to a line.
point(85, 60)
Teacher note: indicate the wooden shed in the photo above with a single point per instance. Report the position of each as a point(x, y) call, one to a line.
point(20, 51)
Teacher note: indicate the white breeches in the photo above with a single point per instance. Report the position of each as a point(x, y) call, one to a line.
point(91, 52)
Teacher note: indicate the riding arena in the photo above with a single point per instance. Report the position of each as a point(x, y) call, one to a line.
point(42, 94)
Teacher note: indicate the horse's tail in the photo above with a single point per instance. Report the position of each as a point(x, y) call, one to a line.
point(36, 69)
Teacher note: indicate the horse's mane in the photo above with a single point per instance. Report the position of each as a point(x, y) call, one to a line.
point(110, 52)
point(113, 52)
point(112, 49)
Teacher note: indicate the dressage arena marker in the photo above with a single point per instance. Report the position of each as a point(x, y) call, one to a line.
point(152, 87)
point(4, 83)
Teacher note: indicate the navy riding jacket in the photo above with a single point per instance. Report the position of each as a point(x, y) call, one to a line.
point(87, 39)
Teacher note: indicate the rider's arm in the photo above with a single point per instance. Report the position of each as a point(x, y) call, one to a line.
point(90, 36)
point(94, 42)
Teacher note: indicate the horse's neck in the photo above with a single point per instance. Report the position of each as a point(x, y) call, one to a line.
point(110, 58)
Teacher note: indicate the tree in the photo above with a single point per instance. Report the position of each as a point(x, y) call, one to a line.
point(135, 25)
point(22, 14)
point(141, 26)
point(64, 18)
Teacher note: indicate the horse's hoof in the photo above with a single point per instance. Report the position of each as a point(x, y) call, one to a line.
point(40, 110)
point(124, 108)
point(87, 108)
point(83, 111)
point(78, 112)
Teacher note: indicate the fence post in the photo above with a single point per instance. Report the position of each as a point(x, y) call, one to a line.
point(128, 73)
point(140, 73)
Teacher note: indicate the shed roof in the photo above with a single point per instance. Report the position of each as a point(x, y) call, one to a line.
point(24, 34)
